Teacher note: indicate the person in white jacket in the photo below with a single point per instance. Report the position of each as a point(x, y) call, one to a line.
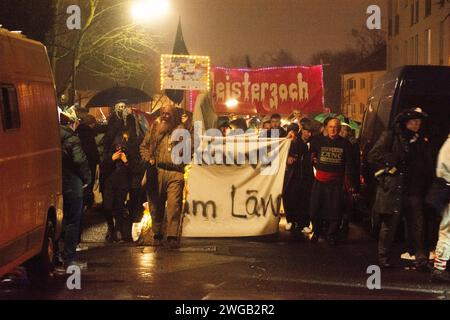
point(443, 245)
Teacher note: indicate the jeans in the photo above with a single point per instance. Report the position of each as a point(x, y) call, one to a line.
point(73, 207)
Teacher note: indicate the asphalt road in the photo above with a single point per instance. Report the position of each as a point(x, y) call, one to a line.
point(280, 267)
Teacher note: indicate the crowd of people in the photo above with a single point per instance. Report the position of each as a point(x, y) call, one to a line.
point(322, 179)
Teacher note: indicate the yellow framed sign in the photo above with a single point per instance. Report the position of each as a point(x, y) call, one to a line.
point(182, 72)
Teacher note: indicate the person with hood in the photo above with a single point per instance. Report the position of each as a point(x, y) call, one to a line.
point(403, 167)
point(76, 176)
point(118, 166)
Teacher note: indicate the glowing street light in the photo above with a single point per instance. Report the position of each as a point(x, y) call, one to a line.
point(231, 103)
point(147, 10)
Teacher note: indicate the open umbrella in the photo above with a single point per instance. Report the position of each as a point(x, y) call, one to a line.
point(353, 124)
point(111, 96)
point(323, 116)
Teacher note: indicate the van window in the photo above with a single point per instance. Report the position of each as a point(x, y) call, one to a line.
point(9, 107)
point(370, 115)
point(385, 107)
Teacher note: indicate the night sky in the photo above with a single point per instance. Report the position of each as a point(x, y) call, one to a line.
point(225, 28)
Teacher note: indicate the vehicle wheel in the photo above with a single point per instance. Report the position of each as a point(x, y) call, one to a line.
point(40, 268)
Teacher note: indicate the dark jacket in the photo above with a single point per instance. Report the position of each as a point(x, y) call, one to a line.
point(117, 174)
point(307, 172)
point(412, 162)
point(75, 167)
point(293, 171)
point(88, 144)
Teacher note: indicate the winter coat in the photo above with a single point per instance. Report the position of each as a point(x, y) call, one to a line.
point(88, 144)
point(394, 150)
point(75, 167)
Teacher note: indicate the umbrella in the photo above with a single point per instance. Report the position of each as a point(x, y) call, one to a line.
point(111, 96)
point(353, 124)
point(323, 116)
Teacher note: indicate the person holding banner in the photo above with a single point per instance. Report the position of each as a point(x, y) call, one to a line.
point(334, 163)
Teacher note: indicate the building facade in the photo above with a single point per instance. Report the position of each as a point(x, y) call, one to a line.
point(355, 90)
point(419, 33)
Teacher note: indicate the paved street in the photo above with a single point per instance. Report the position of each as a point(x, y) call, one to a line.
point(278, 267)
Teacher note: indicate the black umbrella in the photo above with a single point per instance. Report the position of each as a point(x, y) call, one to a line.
point(110, 97)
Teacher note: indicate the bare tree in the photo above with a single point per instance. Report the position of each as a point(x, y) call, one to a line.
point(108, 46)
point(368, 41)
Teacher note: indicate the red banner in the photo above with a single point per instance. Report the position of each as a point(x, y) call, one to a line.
point(268, 90)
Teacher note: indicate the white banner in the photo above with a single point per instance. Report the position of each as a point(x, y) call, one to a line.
point(236, 200)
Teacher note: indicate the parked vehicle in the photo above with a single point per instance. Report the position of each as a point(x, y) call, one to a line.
point(427, 87)
point(30, 158)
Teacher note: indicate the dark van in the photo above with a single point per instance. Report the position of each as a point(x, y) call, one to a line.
point(427, 87)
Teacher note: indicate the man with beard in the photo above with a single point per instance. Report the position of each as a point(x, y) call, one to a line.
point(165, 178)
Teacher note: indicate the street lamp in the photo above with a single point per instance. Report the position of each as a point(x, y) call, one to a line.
point(147, 10)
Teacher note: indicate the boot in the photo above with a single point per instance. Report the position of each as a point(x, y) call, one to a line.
point(440, 276)
point(110, 233)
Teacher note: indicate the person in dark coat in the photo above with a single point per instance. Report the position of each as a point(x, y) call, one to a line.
point(275, 125)
point(118, 171)
point(75, 177)
point(349, 134)
point(292, 181)
point(86, 132)
point(307, 176)
point(404, 170)
point(334, 163)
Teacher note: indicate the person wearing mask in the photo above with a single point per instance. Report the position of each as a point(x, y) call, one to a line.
point(403, 167)
point(76, 176)
point(334, 163)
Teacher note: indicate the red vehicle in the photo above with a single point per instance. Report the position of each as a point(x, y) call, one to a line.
point(30, 157)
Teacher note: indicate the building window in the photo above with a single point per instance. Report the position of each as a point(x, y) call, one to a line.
point(427, 8)
point(427, 47)
point(405, 52)
point(390, 28)
point(397, 24)
point(415, 12)
point(416, 49)
point(441, 43)
point(9, 107)
point(416, 20)
point(362, 108)
point(362, 83)
point(353, 108)
point(351, 84)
